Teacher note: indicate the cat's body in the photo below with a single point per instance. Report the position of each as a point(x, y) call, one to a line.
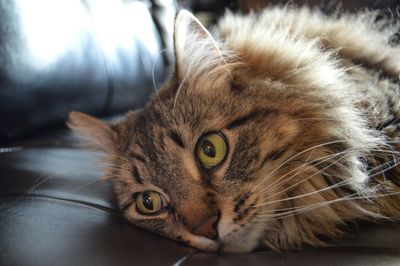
point(281, 132)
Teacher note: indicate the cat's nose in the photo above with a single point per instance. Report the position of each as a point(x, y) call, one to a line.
point(208, 228)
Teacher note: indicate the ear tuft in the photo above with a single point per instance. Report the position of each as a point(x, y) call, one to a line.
point(95, 131)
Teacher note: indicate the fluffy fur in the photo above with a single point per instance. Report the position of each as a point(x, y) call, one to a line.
point(310, 107)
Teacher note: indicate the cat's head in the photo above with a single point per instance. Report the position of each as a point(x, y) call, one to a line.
point(213, 157)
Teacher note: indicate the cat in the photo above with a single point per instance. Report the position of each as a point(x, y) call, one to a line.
point(275, 131)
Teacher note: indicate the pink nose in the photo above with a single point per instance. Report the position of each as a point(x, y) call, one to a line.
point(208, 228)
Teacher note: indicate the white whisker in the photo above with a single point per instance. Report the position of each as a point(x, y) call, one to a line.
point(310, 207)
point(291, 158)
point(303, 180)
point(320, 160)
point(155, 85)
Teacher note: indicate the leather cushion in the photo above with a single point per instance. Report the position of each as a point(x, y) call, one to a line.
point(62, 55)
point(54, 210)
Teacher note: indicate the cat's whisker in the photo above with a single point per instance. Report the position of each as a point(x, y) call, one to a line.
point(292, 158)
point(320, 160)
point(44, 179)
point(41, 180)
point(301, 209)
point(316, 119)
point(303, 180)
point(98, 165)
point(303, 167)
point(310, 207)
point(326, 158)
point(383, 170)
point(274, 193)
point(369, 176)
point(339, 184)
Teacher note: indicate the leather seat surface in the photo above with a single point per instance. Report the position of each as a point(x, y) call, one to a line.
point(85, 55)
point(55, 210)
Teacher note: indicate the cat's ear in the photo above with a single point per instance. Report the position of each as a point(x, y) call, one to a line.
point(99, 134)
point(194, 45)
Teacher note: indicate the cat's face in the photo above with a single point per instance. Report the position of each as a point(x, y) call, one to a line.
point(202, 162)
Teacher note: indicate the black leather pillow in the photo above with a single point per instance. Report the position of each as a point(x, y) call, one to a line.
point(63, 55)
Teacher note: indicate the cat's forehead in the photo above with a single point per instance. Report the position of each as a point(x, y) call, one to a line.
point(155, 151)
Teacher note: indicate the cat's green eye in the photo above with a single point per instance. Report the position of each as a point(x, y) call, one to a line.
point(211, 149)
point(149, 202)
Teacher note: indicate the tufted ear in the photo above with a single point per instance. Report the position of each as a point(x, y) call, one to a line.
point(100, 135)
point(195, 48)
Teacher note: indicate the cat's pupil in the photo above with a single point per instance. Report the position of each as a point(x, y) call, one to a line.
point(147, 201)
point(208, 148)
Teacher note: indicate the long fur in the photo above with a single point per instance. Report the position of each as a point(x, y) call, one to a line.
point(310, 107)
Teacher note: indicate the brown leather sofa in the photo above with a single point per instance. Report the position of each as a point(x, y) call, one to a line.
point(98, 57)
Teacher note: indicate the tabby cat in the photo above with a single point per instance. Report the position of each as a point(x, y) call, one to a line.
point(276, 130)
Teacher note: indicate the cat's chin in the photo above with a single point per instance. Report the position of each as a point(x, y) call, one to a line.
point(237, 239)
point(203, 243)
point(217, 246)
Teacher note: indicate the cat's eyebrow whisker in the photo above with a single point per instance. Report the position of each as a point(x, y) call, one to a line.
point(155, 85)
point(292, 158)
point(179, 89)
point(188, 72)
point(43, 179)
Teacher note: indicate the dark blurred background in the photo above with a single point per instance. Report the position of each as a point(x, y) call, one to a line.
point(210, 10)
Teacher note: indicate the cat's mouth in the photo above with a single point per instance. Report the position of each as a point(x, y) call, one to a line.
point(218, 245)
point(230, 240)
